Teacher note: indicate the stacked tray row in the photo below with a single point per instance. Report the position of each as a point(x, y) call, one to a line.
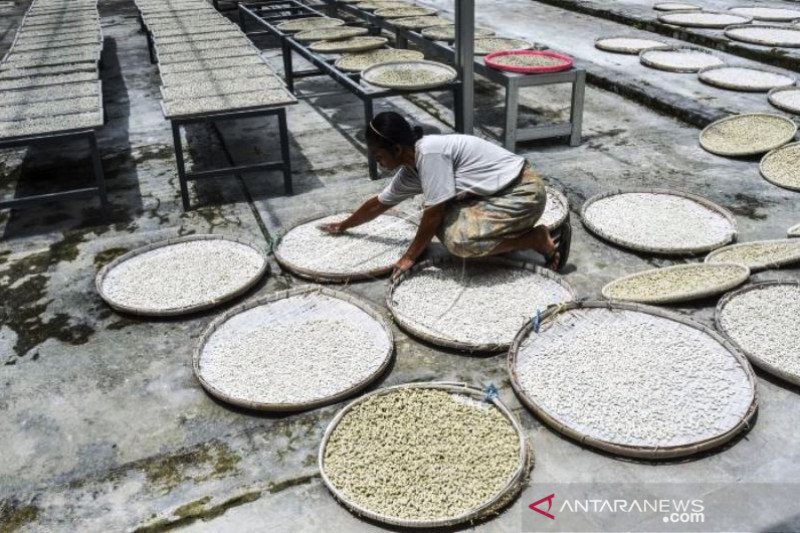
point(49, 79)
point(207, 65)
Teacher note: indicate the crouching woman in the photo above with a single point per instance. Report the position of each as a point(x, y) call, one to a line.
point(478, 198)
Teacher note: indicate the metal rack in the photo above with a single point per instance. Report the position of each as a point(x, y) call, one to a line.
point(510, 81)
point(86, 133)
point(267, 15)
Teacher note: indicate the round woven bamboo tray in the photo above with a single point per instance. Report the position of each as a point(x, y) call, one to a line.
point(766, 13)
point(281, 295)
point(776, 180)
point(185, 310)
point(648, 61)
point(702, 19)
point(518, 481)
point(754, 358)
point(360, 62)
point(706, 75)
point(739, 32)
point(676, 6)
point(739, 277)
point(605, 44)
point(330, 34)
point(419, 23)
point(322, 277)
point(600, 232)
point(372, 6)
point(402, 12)
point(794, 231)
point(297, 25)
point(780, 140)
point(774, 98)
point(372, 74)
point(792, 247)
point(563, 211)
point(409, 325)
point(641, 452)
point(355, 44)
point(448, 33)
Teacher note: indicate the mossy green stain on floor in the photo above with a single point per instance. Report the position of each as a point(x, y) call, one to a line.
point(207, 461)
point(13, 516)
point(24, 298)
point(106, 256)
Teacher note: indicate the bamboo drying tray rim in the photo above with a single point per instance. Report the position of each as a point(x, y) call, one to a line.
point(185, 310)
point(420, 12)
point(783, 107)
point(502, 498)
point(680, 70)
point(730, 34)
point(760, 266)
point(742, 88)
point(793, 232)
point(755, 359)
point(302, 290)
point(687, 10)
point(562, 199)
point(289, 24)
point(328, 277)
point(408, 324)
point(746, 152)
point(708, 204)
point(772, 179)
point(684, 296)
point(340, 62)
point(633, 451)
point(344, 32)
point(720, 25)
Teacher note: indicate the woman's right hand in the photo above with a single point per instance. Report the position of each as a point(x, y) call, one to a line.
point(334, 228)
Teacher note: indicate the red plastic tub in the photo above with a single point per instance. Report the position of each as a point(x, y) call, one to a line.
point(565, 64)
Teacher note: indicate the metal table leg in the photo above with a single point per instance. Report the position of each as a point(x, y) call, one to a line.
point(97, 167)
point(176, 139)
point(285, 155)
point(368, 114)
point(576, 109)
point(511, 116)
point(288, 67)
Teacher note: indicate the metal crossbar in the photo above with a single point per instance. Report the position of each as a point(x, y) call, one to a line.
point(97, 167)
point(510, 81)
point(267, 15)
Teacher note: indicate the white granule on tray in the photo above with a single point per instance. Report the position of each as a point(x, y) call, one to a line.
point(675, 6)
point(746, 78)
point(210, 36)
point(631, 45)
point(51, 92)
point(200, 55)
point(758, 255)
point(764, 323)
point(680, 59)
point(41, 81)
point(658, 221)
point(308, 23)
point(376, 245)
point(36, 126)
point(359, 62)
point(782, 166)
point(703, 20)
point(7, 72)
point(173, 48)
point(421, 454)
point(61, 43)
point(202, 89)
point(210, 64)
point(226, 102)
point(418, 23)
point(633, 379)
point(48, 108)
point(182, 275)
point(487, 45)
point(228, 73)
point(296, 350)
point(448, 33)
point(788, 100)
point(769, 36)
point(776, 14)
point(474, 304)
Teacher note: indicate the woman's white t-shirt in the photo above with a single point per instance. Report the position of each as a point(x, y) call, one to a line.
point(450, 166)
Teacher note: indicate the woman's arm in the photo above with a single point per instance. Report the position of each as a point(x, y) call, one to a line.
point(431, 220)
point(368, 211)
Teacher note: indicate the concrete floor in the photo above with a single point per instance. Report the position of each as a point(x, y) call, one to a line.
point(103, 423)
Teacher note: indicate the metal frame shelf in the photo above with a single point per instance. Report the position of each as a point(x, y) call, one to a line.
point(269, 14)
point(510, 81)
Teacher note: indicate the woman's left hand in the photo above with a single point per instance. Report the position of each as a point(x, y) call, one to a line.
point(401, 266)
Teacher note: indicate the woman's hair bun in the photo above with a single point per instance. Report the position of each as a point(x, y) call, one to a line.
point(419, 133)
